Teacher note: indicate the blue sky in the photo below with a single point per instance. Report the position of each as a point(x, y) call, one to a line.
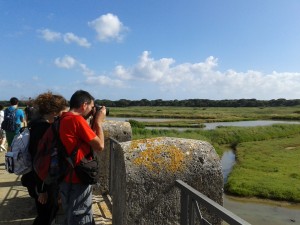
point(207, 49)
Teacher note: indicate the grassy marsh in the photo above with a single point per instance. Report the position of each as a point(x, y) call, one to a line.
point(268, 162)
point(267, 169)
point(212, 114)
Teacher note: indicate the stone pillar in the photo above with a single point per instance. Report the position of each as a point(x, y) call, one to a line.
point(120, 131)
point(144, 178)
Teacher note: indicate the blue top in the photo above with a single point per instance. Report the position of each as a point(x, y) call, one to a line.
point(19, 117)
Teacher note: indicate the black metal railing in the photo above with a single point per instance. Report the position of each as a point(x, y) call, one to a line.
point(190, 200)
point(111, 162)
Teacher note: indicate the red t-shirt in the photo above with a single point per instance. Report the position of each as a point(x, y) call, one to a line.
point(75, 131)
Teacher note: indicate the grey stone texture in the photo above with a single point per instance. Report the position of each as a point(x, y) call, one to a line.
point(144, 175)
point(120, 131)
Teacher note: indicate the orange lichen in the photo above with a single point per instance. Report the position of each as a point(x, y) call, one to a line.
point(106, 133)
point(159, 157)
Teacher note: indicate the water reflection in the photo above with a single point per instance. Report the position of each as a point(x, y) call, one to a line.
point(208, 126)
point(254, 123)
point(227, 162)
point(263, 213)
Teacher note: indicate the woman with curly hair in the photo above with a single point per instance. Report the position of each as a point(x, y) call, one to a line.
point(49, 106)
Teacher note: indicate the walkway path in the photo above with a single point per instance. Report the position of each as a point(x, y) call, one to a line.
point(17, 208)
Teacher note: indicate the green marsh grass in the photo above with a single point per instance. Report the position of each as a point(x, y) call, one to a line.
point(268, 157)
point(267, 169)
point(210, 114)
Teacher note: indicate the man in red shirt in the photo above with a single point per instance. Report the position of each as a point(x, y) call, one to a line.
point(76, 132)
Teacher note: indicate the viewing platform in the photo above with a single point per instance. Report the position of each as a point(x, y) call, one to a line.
point(18, 208)
point(159, 181)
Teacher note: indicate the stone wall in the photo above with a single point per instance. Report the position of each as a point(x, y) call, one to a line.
point(144, 177)
point(120, 131)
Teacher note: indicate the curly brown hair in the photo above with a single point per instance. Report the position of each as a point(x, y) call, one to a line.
point(48, 103)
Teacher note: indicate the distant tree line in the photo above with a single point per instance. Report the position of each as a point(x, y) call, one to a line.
point(190, 103)
point(201, 103)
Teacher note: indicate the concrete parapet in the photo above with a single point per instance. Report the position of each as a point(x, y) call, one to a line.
point(120, 131)
point(144, 177)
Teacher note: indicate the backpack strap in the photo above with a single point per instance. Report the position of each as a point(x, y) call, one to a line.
point(7, 111)
point(70, 158)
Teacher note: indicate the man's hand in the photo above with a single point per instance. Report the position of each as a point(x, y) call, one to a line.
point(43, 197)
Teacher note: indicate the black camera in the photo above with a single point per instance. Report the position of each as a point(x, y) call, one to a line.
point(99, 107)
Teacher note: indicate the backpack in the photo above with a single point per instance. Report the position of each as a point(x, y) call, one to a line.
point(9, 122)
point(51, 162)
point(18, 160)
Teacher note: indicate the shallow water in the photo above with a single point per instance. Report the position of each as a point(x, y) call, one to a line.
point(255, 123)
point(264, 212)
point(227, 162)
point(208, 126)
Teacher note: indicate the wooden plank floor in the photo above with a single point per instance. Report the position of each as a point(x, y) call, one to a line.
point(18, 208)
point(101, 208)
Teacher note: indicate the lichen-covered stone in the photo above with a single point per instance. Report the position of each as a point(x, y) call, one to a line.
point(145, 172)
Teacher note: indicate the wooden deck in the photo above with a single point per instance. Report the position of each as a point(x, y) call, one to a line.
point(18, 208)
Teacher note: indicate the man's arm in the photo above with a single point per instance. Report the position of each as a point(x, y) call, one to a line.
point(97, 143)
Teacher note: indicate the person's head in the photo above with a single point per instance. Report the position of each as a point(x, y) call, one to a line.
point(50, 104)
point(1, 107)
point(29, 102)
point(14, 101)
point(82, 101)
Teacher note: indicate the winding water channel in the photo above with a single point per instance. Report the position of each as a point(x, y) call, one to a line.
point(255, 211)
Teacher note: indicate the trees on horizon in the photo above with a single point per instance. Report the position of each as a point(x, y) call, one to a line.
point(190, 103)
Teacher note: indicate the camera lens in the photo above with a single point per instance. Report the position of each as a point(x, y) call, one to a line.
point(98, 107)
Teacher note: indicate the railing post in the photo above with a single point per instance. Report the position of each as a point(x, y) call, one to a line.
point(192, 196)
point(184, 203)
point(111, 161)
point(191, 211)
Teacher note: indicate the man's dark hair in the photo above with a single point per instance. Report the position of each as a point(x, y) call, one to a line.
point(79, 98)
point(14, 101)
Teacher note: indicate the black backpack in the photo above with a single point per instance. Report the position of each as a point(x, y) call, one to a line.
point(51, 162)
point(9, 122)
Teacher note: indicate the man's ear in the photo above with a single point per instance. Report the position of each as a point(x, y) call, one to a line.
point(84, 106)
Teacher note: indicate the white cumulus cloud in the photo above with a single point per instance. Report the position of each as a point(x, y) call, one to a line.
point(108, 27)
point(70, 37)
point(204, 80)
point(165, 78)
point(69, 62)
point(104, 80)
point(50, 35)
